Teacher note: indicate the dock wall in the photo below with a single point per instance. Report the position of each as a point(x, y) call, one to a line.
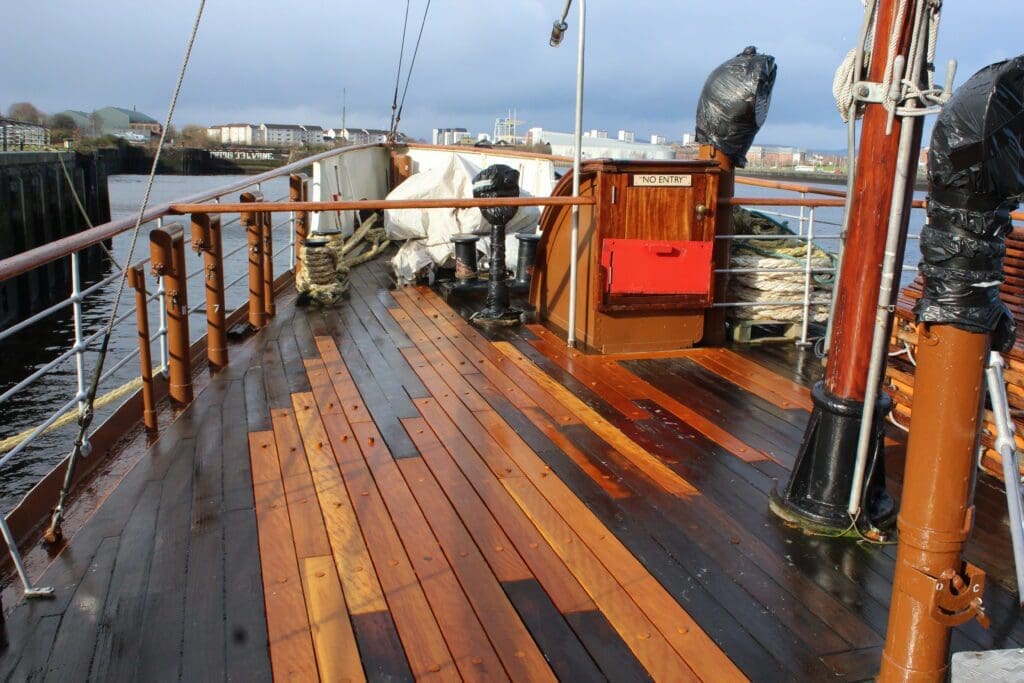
point(37, 206)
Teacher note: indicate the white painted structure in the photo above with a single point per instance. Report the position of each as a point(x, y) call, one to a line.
point(234, 134)
point(593, 147)
point(449, 136)
point(312, 135)
point(280, 134)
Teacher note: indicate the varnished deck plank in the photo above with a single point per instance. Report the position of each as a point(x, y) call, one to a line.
point(291, 647)
point(550, 549)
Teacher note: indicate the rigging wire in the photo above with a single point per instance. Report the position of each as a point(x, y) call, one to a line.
point(81, 208)
point(408, 76)
point(85, 418)
point(398, 73)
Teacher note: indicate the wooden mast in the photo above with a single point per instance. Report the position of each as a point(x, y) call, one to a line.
point(818, 491)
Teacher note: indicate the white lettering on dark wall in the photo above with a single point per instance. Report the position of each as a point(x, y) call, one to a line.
point(239, 155)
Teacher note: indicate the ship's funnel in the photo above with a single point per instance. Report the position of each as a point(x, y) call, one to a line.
point(976, 177)
point(734, 103)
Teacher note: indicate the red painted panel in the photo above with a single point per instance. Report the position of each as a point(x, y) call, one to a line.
point(656, 266)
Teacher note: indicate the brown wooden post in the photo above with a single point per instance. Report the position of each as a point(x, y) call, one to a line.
point(930, 595)
point(817, 493)
point(167, 249)
point(206, 240)
point(401, 168)
point(298, 191)
point(268, 262)
point(714, 319)
point(254, 228)
point(960, 316)
point(137, 281)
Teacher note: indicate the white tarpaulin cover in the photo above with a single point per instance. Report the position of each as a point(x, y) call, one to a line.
point(430, 230)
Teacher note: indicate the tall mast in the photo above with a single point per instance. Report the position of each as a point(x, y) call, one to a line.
point(818, 491)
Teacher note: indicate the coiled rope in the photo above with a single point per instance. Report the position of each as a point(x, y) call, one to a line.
point(850, 72)
point(767, 288)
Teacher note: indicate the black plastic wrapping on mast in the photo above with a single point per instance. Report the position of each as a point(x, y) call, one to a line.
point(975, 177)
point(734, 104)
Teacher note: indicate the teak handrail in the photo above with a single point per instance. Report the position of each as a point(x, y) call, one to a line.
point(790, 187)
point(376, 204)
point(13, 266)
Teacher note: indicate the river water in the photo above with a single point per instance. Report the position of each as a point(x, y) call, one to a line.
point(34, 347)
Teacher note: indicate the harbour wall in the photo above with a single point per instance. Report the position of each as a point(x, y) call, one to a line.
point(195, 161)
point(37, 206)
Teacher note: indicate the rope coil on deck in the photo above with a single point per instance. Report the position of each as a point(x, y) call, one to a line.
point(326, 263)
point(774, 254)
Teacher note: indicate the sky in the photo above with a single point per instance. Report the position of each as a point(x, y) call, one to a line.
point(289, 62)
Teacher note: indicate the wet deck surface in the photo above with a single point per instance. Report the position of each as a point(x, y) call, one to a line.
point(379, 490)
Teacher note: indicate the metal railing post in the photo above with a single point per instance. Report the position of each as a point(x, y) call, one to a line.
point(137, 281)
point(807, 279)
point(254, 228)
point(76, 307)
point(167, 255)
point(803, 195)
point(298, 191)
point(268, 262)
point(161, 295)
point(206, 240)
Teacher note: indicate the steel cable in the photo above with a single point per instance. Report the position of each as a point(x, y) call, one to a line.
point(85, 418)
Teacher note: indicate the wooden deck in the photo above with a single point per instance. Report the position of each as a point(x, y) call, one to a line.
point(379, 491)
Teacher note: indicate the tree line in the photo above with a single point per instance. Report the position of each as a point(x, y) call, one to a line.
point(63, 127)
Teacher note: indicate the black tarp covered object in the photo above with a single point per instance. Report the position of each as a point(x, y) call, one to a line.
point(734, 103)
point(976, 177)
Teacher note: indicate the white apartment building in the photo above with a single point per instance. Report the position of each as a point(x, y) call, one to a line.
point(449, 136)
point(234, 134)
point(280, 134)
point(312, 135)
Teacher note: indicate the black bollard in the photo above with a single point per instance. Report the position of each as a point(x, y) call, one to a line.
point(527, 255)
point(465, 258)
point(497, 181)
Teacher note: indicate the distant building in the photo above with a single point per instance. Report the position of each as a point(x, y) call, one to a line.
point(449, 136)
point(80, 118)
point(595, 133)
point(283, 134)
point(312, 135)
point(506, 129)
point(658, 139)
point(627, 136)
point(687, 138)
point(365, 136)
point(235, 134)
point(15, 135)
point(594, 147)
point(117, 120)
